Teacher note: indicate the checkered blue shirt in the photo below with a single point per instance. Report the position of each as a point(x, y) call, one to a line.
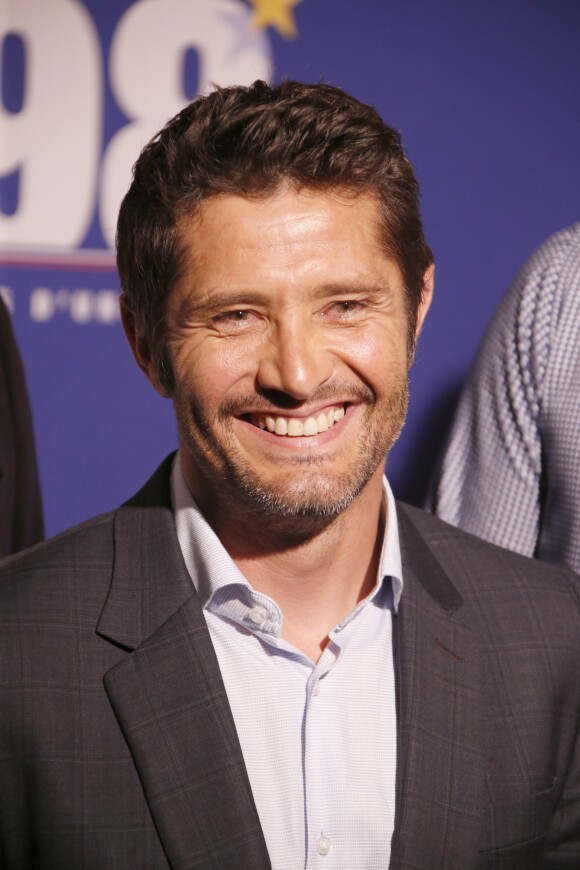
point(511, 469)
point(318, 739)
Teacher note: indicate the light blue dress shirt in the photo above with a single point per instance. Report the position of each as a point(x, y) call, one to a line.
point(319, 740)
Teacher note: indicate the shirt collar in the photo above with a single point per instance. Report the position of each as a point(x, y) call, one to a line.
point(391, 565)
point(211, 568)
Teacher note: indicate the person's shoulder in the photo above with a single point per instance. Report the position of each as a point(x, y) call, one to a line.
point(72, 553)
point(553, 267)
point(51, 598)
point(565, 242)
point(512, 602)
point(90, 544)
point(477, 564)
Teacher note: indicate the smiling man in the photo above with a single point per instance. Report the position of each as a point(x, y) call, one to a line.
point(289, 355)
point(262, 660)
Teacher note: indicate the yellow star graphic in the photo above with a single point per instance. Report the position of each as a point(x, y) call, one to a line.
point(275, 13)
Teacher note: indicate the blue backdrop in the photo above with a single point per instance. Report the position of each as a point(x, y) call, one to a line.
point(486, 94)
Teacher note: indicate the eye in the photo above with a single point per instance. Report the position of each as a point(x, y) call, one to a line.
point(347, 307)
point(236, 320)
point(344, 309)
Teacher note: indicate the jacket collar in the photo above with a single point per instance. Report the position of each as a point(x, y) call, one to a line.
point(169, 698)
point(147, 556)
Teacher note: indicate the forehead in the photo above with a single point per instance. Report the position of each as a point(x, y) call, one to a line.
point(297, 231)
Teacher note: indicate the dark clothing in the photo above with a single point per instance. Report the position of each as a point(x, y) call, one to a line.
point(21, 523)
point(118, 748)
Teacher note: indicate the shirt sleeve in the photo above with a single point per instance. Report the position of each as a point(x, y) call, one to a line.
point(490, 478)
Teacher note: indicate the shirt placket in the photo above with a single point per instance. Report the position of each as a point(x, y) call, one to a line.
point(320, 846)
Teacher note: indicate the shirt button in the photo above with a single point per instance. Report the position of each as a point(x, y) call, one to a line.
point(323, 845)
point(257, 615)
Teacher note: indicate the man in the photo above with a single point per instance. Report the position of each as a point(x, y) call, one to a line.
point(260, 661)
point(511, 468)
point(21, 523)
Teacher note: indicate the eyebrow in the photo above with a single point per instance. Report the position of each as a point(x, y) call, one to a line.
point(214, 302)
point(355, 288)
point(218, 301)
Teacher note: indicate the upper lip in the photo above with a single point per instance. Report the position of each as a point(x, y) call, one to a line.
point(297, 413)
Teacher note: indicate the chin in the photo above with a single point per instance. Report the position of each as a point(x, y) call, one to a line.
point(307, 498)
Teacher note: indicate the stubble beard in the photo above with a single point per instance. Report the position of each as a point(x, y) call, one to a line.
point(308, 492)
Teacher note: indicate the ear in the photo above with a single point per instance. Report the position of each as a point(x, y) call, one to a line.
point(141, 348)
point(426, 297)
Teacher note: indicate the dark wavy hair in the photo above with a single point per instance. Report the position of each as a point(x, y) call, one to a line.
point(249, 141)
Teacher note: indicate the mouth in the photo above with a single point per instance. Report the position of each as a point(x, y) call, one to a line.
point(296, 427)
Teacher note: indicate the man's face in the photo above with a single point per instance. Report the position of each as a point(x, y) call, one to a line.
point(287, 335)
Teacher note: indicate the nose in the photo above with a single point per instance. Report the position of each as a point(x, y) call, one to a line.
point(294, 361)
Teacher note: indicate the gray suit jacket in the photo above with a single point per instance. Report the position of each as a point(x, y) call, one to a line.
point(117, 743)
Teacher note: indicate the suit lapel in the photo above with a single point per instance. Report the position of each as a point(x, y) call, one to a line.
point(169, 698)
point(439, 675)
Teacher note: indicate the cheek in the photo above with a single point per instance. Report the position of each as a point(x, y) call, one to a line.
point(376, 355)
point(210, 368)
point(234, 360)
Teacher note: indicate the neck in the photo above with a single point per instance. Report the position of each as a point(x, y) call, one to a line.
point(316, 570)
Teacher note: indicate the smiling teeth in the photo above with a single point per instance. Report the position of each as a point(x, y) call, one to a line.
point(294, 427)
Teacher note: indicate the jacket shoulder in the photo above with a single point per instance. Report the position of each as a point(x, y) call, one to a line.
point(475, 563)
point(87, 545)
point(54, 564)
